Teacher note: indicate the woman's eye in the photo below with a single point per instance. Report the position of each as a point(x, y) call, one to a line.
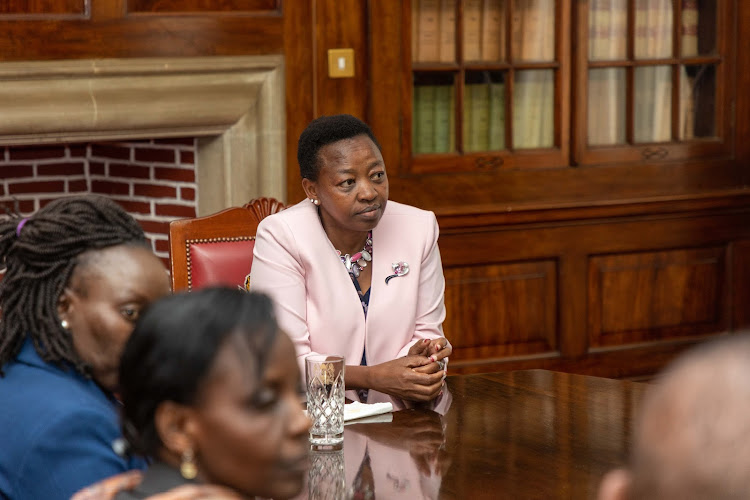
point(378, 176)
point(129, 313)
point(264, 398)
point(347, 183)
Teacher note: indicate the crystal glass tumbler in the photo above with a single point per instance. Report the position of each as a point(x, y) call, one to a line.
point(325, 399)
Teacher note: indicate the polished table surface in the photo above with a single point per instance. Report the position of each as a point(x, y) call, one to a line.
point(517, 435)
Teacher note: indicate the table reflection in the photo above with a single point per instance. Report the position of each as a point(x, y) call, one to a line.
point(396, 455)
point(526, 434)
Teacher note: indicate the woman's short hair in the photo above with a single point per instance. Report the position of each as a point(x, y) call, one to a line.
point(326, 130)
point(173, 347)
point(39, 254)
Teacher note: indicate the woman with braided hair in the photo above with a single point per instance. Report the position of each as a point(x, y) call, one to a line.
point(77, 275)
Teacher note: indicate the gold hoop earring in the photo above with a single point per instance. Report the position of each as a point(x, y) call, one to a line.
point(188, 468)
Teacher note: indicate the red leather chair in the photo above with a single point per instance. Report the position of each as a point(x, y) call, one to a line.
point(216, 249)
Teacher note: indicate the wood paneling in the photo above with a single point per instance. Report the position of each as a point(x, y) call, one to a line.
point(109, 32)
point(518, 299)
point(655, 295)
point(41, 9)
point(740, 275)
point(194, 6)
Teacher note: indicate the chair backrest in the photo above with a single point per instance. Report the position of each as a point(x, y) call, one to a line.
point(216, 249)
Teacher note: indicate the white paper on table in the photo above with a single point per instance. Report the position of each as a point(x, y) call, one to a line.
point(358, 410)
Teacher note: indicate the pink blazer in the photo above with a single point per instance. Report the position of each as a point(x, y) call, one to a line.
point(316, 303)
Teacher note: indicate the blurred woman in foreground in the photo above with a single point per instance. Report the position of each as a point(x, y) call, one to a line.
point(211, 390)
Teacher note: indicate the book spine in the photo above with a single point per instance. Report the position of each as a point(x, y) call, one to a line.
point(497, 117)
point(493, 31)
point(447, 30)
point(424, 119)
point(428, 45)
point(443, 111)
point(472, 30)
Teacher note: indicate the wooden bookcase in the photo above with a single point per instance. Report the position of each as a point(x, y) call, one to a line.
point(613, 243)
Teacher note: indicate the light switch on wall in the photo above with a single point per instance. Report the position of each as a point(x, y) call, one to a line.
point(340, 63)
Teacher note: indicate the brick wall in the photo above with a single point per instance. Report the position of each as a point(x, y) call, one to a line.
point(154, 180)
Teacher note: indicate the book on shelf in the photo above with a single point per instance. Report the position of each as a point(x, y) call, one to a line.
point(533, 31)
point(472, 30)
point(533, 109)
point(423, 119)
point(444, 121)
point(447, 31)
point(493, 31)
point(689, 28)
point(496, 123)
point(428, 30)
point(608, 30)
point(476, 117)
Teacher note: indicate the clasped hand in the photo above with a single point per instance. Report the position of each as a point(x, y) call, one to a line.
point(418, 376)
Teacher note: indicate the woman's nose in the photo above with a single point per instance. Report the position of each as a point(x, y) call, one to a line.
point(367, 191)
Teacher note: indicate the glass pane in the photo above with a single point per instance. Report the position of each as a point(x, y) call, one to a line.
point(653, 104)
point(698, 27)
point(434, 115)
point(493, 30)
point(484, 111)
point(608, 30)
point(697, 101)
point(534, 109)
point(653, 29)
point(606, 106)
point(433, 28)
point(533, 33)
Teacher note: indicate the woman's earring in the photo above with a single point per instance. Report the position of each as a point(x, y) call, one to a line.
point(64, 324)
point(314, 201)
point(187, 466)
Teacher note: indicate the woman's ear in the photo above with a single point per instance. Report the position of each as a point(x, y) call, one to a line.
point(175, 426)
point(310, 188)
point(65, 306)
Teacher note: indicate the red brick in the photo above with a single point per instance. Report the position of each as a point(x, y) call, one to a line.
point(36, 152)
point(26, 206)
point(186, 141)
point(135, 207)
point(152, 226)
point(174, 174)
point(158, 155)
point(77, 186)
point(129, 171)
point(61, 169)
point(110, 151)
point(187, 193)
point(154, 191)
point(168, 209)
point(78, 151)
point(11, 171)
point(187, 157)
point(36, 187)
point(110, 187)
point(96, 168)
point(161, 245)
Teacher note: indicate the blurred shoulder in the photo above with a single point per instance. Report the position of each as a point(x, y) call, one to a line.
point(396, 209)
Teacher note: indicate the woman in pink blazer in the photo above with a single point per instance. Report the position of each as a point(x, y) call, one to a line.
point(354, 274)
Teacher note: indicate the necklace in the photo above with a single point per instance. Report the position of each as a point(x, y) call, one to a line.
point(357, 262)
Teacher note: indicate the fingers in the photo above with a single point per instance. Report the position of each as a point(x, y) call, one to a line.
point(108, 488)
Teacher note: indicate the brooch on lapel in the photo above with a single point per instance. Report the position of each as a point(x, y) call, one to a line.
point(399, 269)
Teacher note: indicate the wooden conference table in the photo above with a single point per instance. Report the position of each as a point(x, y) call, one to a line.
point(530, 434)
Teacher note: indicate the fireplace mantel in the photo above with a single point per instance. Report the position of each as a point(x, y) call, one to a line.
point(234, 105)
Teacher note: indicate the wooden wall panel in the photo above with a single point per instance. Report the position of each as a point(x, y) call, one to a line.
point(740, 275)
point(655, 295)
point(109, 32)
point(501, 310)
point(43, 9)
point(184, 6)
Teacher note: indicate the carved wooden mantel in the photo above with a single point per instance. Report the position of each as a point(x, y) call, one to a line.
point(234, 105)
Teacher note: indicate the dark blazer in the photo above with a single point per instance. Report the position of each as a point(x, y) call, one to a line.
point(159, 478)
point(58, 430)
